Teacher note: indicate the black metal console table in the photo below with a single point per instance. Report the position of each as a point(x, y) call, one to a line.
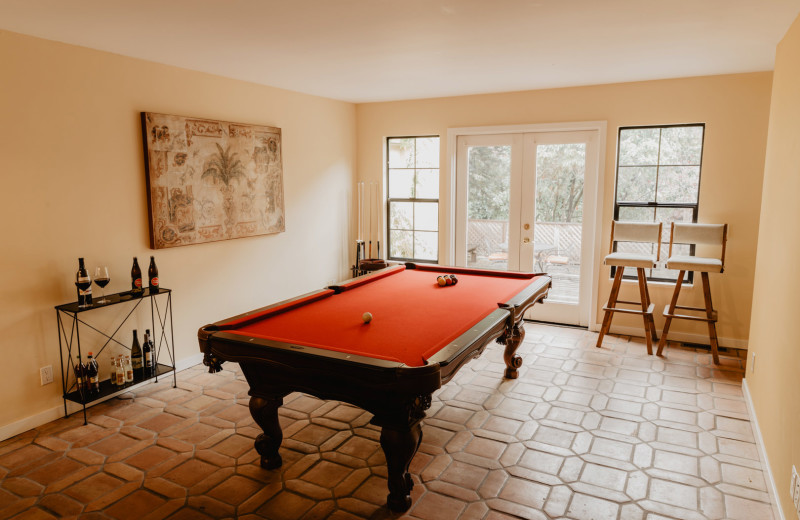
point(70, 319)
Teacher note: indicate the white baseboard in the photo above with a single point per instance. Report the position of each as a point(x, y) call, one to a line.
point(189, 362)
point(31, 422)
point(762, 452)
point(700, 339)
point(28, 423)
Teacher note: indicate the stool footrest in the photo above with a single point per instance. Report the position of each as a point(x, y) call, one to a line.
point(666, 313)
point(649, 310)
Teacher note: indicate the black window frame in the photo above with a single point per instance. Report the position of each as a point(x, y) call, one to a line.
point(389, 200)
point(689, 277)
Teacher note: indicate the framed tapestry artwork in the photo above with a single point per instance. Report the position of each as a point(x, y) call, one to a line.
point(211, 180)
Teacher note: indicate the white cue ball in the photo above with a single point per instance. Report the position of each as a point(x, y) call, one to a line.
point(367, 317)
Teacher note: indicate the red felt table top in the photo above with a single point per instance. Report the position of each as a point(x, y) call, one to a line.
point(413, 318)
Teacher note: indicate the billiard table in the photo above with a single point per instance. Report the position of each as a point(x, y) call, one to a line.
point(420, 335)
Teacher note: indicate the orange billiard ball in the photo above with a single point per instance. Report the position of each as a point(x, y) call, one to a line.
point(441, 281)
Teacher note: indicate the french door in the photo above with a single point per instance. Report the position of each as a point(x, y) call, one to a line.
point(526, 202)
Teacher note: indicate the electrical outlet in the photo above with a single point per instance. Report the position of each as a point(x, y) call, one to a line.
point(753, 370)
point(46, 374)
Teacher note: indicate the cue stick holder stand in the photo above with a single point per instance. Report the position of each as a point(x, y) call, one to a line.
point(72, 320)
point(368, 265)
point(365, 265)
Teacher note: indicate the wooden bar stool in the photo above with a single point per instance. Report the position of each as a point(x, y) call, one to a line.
point(704, 234)
point(641, 232)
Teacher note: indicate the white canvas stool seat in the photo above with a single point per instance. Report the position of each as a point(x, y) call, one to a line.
point(639, 232)
point(630, 260)
point(695, 234)
point(694, 263)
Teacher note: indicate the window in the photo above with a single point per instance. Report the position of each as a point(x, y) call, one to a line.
point(658, 180)
point(413, 187)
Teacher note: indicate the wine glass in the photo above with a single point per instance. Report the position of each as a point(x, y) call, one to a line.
point(83, 284)
point(101, 278)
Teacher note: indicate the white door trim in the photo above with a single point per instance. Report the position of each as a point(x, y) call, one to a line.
point(449, 180)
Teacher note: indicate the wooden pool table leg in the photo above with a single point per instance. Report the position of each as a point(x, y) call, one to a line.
point(265, 413)
point(399, 445)
point(513, 339)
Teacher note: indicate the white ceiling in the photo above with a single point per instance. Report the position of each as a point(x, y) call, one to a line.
point(378, 50)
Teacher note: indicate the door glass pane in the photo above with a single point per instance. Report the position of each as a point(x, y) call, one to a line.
point(488, 200)
point(560, 170)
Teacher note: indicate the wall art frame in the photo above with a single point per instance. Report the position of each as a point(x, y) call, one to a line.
point(211, 180)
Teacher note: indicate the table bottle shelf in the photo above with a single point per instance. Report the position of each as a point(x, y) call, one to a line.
point(70, 319)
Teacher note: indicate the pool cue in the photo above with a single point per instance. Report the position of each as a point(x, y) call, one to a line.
point(370, 220)
point(360, 237)
point(358, 209)
point(378, 213)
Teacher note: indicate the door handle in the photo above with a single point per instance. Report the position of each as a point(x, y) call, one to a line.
point(526, 240)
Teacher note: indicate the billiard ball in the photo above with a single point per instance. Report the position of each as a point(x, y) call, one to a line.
point(448, 280)
point(441, 281)
point(367, 317)
point(453, 277)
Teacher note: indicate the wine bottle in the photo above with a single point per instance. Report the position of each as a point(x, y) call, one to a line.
point(136, 277)
point(128, 370)
point(148, 354)
point(79, 377)
point(152, 275)
point(84, 285)
point(93, 375)
point(153, 357)
point(113, 372)
point(119, 371)
point(136, 354)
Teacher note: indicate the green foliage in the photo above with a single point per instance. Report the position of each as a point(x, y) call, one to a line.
point(559, 182)
point(560, 170)
point(659, 164)
point(223, 166)
point(489, 178)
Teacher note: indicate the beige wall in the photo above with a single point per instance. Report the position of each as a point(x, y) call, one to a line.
point(73, 185)
point(735, 109)
point(774, 377)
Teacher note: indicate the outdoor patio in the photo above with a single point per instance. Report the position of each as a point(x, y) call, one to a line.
point(557, 251)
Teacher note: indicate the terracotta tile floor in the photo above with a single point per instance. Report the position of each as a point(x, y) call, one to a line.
point(584, 433)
